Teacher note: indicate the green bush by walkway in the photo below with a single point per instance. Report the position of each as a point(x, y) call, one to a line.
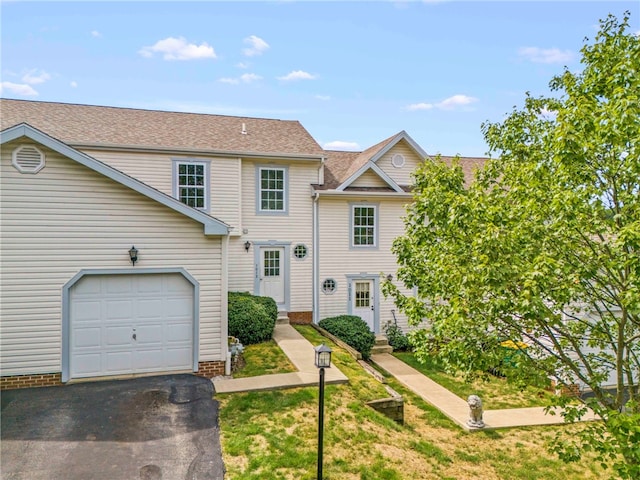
point(352, 330)
point(251, 318)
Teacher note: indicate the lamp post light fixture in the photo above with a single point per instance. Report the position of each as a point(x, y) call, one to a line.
point(133, 255)
point(323, 360)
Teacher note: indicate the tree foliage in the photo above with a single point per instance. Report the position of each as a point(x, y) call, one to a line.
point(543, 246)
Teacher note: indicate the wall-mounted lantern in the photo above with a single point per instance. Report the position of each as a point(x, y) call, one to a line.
point(133, 255)
point(247, 245)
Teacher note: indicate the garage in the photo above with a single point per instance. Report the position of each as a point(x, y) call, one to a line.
point(121, 324)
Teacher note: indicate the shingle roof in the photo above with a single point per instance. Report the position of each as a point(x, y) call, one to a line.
point(127, 127)
point(469, 165)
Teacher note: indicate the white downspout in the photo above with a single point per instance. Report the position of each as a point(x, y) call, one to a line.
point(316, 259)
point(224, 305)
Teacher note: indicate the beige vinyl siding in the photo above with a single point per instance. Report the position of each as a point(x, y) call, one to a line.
point(402, 176)
point(369, 179)
point(156, 170)
point(68, 218)
point(337, 260)
point(295, 227)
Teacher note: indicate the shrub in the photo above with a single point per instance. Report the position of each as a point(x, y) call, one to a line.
point(251, 318)
point(397, 339)
point(353, 331)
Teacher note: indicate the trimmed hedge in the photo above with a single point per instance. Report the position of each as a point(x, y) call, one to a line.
point(353, 331)
point(251, 318)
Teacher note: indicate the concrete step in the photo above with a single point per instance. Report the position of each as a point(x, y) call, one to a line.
point(381, 340)
point(377, 349)
point(283, 318)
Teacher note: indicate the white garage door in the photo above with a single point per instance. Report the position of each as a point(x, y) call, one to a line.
point(123, 324)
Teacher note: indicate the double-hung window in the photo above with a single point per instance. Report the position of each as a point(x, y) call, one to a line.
point(271, 194)
point(364, 226)
point(191, 183)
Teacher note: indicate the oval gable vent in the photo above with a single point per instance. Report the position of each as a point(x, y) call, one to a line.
point(28, 159)
point(397, 160)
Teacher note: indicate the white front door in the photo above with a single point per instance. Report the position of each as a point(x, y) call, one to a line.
point(272, 271)
point(363, 302)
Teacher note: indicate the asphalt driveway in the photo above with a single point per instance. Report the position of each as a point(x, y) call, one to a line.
point(149, 428)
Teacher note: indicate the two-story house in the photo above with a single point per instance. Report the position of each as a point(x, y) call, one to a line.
point(211, 204)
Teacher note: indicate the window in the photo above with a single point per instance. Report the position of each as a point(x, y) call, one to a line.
point(329, 286)
point(272, 263)
point(364, 230)
point(272, 190)
point(191, 183)
point(300, 251)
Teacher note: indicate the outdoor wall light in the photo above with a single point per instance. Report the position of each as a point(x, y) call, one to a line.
point(323, 360)
point(247, 245)
point(133, 255)
point(389, 277)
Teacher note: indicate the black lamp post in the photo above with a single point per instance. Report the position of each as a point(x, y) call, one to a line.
point(323, 360)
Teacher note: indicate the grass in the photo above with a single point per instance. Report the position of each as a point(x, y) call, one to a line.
point(496, 393)
point(273, 435)
point(264, 359)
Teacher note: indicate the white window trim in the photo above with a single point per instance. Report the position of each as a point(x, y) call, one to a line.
point(376, 226)
point(285, 196)
point(294, 251)
point(207, 179)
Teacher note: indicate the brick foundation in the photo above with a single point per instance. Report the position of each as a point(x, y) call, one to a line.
point(205, 369)
point(35, 380)
point(210, 369)
point(301, 318)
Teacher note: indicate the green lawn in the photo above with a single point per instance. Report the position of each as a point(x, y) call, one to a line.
point(264, 359)
point(273, 435)
point(496, 393)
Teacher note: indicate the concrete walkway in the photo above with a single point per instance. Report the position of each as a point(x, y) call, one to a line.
point(302, 356)
point(455, 407)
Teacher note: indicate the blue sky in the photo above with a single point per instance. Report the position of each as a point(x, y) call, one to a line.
point(353, 73)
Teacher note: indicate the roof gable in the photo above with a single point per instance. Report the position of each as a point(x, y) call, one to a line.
point(212, 226)
point(343, 168)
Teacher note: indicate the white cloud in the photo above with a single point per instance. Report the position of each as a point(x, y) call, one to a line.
point(548, 114)
point(456, 101)
point(242, 65)
point(23, 90)
point(257, 46)
point(297, 75)
point(178, 49)
point(95, 34)
point(420, 106)
point(244, 78)
point(545, 55)
point(340, 145)
point(34, 77)
point(73, 84)
point(324, 98)
point(447, 104)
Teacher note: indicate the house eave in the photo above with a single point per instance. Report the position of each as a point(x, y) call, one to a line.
point(196, 151)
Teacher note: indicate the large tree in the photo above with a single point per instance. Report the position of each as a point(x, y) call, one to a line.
point(542, 248)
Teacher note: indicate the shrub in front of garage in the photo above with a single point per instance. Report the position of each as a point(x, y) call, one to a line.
point(353, 331)
point(251, 318)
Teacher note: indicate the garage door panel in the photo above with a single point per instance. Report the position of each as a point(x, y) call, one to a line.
point(176, 357)
point(88, 364)
point(149, 334)
point(87, 337)
point(179, 307)
point(107, 311)
point(152, 309)
point(117, 310)
point(179, 332)
point(118, 336)
point(86, 310)
point(118, 362)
